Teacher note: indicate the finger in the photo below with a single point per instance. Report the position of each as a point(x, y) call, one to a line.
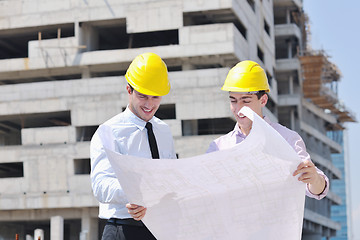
point(137, 215)
point(306, 163)
point(138, 218)
point(131, 206)
point(138, 209)
point(305, 169)
point(140, 215)
point(135, 211)
point(307, 178)
point(309, 163)
point(308, 170)
point(306, 181)
point(299, 167)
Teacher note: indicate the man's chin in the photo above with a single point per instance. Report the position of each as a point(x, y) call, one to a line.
point(147, 117)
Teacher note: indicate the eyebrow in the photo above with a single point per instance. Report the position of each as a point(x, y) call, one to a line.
point(244, 97)
point(140, 94)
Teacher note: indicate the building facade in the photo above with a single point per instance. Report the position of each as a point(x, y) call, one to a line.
point(341, 213)
point(62, 66)
point(308, 103)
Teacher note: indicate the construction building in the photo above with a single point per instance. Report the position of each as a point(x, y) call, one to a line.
point(341, 213)
point(62, 66)
point(308, 103)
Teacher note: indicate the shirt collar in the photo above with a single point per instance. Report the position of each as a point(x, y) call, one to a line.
point(266, 119)
point(237, 131)
point(139, 123)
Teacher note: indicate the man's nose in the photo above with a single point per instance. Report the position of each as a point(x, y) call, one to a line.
point(149, 103)
point(239, 105)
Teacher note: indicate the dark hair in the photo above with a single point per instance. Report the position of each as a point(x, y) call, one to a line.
point(261, 93)
point(131, 88)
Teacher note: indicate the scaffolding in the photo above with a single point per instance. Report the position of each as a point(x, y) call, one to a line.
point(320, 84)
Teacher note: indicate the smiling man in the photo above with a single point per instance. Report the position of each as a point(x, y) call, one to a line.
point(138, 133)
point(247, 85)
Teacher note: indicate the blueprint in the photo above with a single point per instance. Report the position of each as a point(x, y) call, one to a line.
point(246, 192)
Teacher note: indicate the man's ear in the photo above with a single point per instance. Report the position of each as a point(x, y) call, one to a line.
point(128, 89)
point(263, 100)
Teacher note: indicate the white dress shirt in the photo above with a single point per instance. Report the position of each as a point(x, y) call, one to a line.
point(131, 139)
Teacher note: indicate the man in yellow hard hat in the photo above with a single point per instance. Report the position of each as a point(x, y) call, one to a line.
point(139, 133)
point(247, 85)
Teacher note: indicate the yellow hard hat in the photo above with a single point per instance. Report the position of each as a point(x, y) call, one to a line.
point(246, 76)
point(148, 75)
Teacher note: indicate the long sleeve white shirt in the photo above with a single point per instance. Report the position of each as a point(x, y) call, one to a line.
point(131, 138)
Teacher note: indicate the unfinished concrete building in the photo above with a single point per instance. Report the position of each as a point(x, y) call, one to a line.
point(62, 66)
point(308, 103)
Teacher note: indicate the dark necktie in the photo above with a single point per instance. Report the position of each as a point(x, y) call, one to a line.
point(152, 141)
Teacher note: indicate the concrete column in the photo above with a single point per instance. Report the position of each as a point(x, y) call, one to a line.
point(315, 236)
point(57, 228)
point(291, 85)
point(289, 42)
point(187, 66)
point(88, 35)
point(288, 17)
point(77, 30)
point(89, 226)
point(190, 127)
point(39, 234)
point(292, 119)
point(85, 72)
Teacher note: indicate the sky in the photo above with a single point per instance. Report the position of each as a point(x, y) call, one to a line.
point(335, 28)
